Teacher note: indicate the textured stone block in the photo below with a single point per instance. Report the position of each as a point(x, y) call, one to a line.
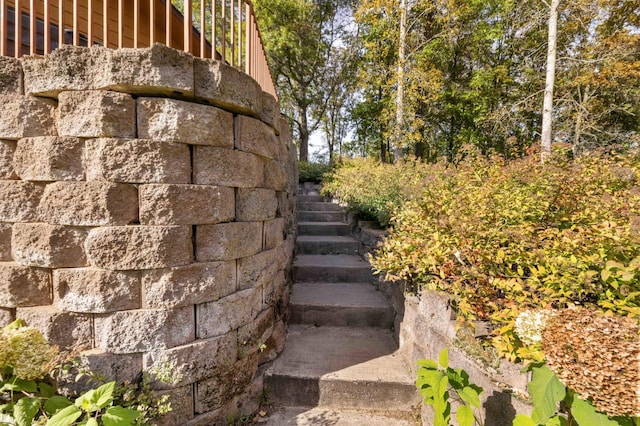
point(188, 285)
point(96, 114)
point(274, 344)
point(49, 158)
point(155, 70)
point(252, 336)
point(48, 246)
point(5, 242)
point(275, 176)
point(89, 203)
point(255, 204)
point(19, 201)
point(194, 362)
point(213, 393)
point(139, 247)
point(25, 116)
point(137, 161)
point(172, 120)
point(144, 330)
point(181, 400)
point(7, 150)
point(11, 81)
point(227, 241)
point(255, 137)
point(273, 233)
point(229, 313)
point(256, 270)
point(69, 331)
point(111, 367)
point(270, 112)
point(66, 68)
point(22, 286)
point(7, 316)
point(95, 290)
point(186, 204)
point(226, 167)
point(227, 87)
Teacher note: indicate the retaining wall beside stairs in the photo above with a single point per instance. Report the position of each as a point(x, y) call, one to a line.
point(147, 218)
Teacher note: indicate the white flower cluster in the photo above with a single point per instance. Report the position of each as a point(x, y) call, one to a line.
point(529, 325)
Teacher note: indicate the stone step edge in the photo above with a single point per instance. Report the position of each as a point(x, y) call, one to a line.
point(408, 416)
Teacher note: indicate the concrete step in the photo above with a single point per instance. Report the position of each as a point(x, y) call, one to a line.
point(340, 304)
point(342, 368)
point(302, 416)
point(324, 228)
point(321, 216)
point(311, 198)
point(318, 207)
point(331, 268)
point(327, 244)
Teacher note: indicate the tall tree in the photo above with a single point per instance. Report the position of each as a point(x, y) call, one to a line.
point(300, 37)
point(547, 108)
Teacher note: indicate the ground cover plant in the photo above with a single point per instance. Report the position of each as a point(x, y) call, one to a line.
point(503, 238)
point(29, 395)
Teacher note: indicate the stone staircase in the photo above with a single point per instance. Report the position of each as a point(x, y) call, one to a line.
point(340, 365)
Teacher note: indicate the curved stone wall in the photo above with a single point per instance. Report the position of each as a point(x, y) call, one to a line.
point(147, 218)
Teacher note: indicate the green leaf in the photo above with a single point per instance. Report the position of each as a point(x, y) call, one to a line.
point(464, 415)
point(92, 422)
point(46, 390)
point(523, 420)
point(546, 391)
point(119, 416)
point(25, 410)
point(55, 403)
point(84, 401)
point(429, 377)
point(103, 396)
point(65, 417)
point(18, 385)
point(470, 396)
point(586, 414)
point(443, 358)
point(427, 363)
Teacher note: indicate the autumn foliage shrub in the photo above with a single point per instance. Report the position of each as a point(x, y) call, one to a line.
point(372, 189)
point(508, 237)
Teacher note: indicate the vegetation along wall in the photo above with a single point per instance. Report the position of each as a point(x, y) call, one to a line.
point(147, 211)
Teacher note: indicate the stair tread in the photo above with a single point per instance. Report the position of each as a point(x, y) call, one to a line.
point(304, 416)
point(330, 260)
point(326, 224)
point(362, 295)
point(327, 239)
point(342, 353)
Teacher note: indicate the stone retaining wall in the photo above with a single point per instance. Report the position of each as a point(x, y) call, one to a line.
point(147, 218)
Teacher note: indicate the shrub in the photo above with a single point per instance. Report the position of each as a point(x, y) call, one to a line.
point(312, 172)
point(375, 190)
point(504, 238)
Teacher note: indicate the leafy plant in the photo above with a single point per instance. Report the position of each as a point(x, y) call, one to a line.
point(312, 172)
point(507, 237)
point(28, 395)
point(555, 404)
point(438, 383)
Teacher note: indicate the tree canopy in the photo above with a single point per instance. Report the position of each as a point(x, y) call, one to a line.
point(473, 73)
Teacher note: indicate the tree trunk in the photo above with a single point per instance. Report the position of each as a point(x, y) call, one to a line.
point(547, 108)
point(303, 127)
point(397, 142)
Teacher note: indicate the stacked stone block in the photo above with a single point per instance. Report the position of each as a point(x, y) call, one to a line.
point(147, 218)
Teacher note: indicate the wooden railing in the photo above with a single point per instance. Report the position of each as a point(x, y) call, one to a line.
point(222, 29)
